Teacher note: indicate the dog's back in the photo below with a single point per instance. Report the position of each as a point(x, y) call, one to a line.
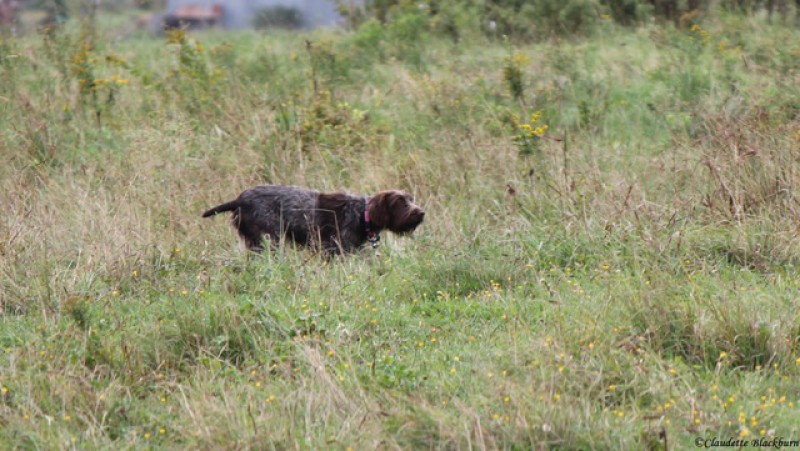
point(272, 210)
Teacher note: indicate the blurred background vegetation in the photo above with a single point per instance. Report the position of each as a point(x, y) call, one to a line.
point(609, 259)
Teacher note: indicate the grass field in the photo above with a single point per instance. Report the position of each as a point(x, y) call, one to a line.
point(623, 278)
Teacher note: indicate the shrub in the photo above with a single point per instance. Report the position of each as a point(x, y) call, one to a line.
point(279, 17)
point(369, 39)
point(512, 74)
point(403, 37)
point(628, 12)
point(525, 19)
point(457, 18)
point(193, 80)
point(540, 18)
point(407, 37)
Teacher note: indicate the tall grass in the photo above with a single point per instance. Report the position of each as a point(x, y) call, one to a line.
point(622, 278)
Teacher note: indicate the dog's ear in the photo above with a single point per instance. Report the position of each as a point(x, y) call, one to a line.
point(380, 208)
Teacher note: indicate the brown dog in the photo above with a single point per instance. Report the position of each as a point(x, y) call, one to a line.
point(334, 222)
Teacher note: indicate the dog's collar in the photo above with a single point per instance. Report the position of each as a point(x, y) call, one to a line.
point(372, 236)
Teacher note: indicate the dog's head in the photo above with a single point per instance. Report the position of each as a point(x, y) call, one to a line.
point(395, 211)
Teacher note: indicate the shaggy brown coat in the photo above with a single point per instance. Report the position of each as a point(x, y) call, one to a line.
point(334, 222)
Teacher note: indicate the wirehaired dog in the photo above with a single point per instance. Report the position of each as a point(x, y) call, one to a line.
point(333, 222)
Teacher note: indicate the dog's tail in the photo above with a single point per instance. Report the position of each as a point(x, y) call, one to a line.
point(227, 206)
